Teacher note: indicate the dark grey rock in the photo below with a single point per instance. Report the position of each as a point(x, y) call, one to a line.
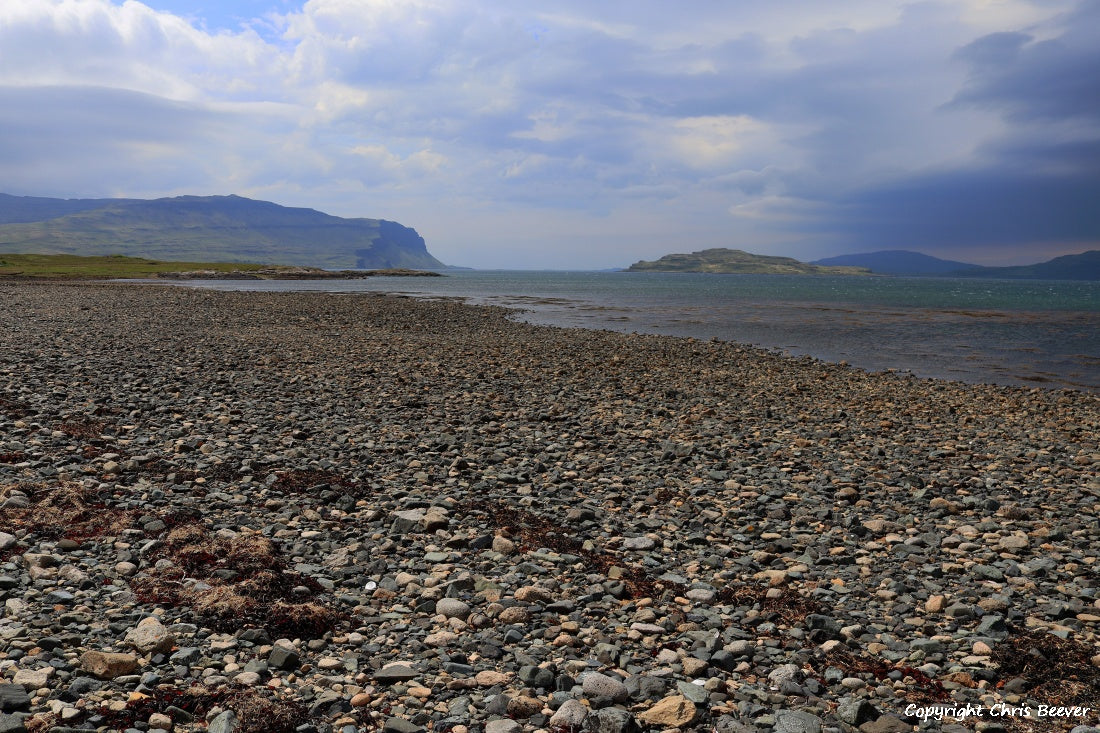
point(283, 657)
point(400, 725)
point(11, 724)
point(611, 720)
point(822, 628)
point(83, 685)
point(503, 725)
point(13, 697)
point(960, 611)
point(992, 626)
point(855, 711)
point(725, 659)
point(224, 722)
point(642, 687)
point(796, 721)
point(886, 724)
point(186, 655)
point(696, 693)
point(928, 646)
point(730, 724)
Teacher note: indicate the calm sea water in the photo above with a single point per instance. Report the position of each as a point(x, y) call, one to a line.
point(1021, 332)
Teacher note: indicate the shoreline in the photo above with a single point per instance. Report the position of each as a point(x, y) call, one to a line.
point(1016, 347)
point(532, 526)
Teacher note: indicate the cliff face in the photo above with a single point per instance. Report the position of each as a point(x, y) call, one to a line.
point(396, 246)
point(207, 229)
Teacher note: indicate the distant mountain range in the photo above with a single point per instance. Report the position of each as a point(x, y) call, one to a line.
point(898, 262)
point(207, 229)
point(1084, 266)
point(732, 261)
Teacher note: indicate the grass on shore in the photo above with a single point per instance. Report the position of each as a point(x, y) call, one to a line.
point(113, 266)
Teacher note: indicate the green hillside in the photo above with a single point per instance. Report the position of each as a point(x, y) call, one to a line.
point(69, 267)
point(721, 260)
point(210, 229)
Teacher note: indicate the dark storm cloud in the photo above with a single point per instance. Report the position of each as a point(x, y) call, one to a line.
point(1038, 80)
point(982, 207)
point(1036, 185)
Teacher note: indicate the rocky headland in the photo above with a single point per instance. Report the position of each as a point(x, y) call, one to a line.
point(293, 273)
point(307, 512)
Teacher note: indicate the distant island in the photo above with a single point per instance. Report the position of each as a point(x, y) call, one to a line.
point(721, 260)
point(207, 229)
point(1083, 266)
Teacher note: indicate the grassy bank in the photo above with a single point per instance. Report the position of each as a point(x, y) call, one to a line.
point(114, 266)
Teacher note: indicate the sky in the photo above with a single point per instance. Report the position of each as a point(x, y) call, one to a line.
point(580, 135)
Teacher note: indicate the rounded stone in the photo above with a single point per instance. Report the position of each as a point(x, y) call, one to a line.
point(596, 684)
point(452, 608)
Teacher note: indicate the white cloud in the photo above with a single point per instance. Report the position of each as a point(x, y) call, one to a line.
point(715, 141)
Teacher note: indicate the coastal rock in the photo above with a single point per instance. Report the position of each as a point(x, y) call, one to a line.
point(638, 543)
point(671, 712)
point(13, 697)
point(613, 720)
point(796, 721)
point(284, 656)
point(406, 521)
point(503, 726)
point(434, 520)
point(488, 678)
point(224, 722)
point(108, 665)
point(595, 684)
point(571, 715)
point(523, 707)
point(33, 679)
point(150, 636)
point(452, 608)
point(11, 724)
point(392, 673)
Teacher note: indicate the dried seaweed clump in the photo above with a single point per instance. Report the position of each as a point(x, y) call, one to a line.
point(1058, 671)
point(68, 510)
point(14, 408)
point(922, 688)
point(786, 603)
point(256, 713)
point(234, 582)
point(82, 426)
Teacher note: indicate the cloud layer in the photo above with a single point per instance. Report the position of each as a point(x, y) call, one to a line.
point(586, 135)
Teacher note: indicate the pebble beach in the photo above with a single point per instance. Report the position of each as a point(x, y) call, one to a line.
point(246, 512)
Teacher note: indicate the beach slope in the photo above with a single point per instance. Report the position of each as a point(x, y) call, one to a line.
point(349, 512)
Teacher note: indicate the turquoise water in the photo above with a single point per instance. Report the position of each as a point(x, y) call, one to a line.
point(1022, 332)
